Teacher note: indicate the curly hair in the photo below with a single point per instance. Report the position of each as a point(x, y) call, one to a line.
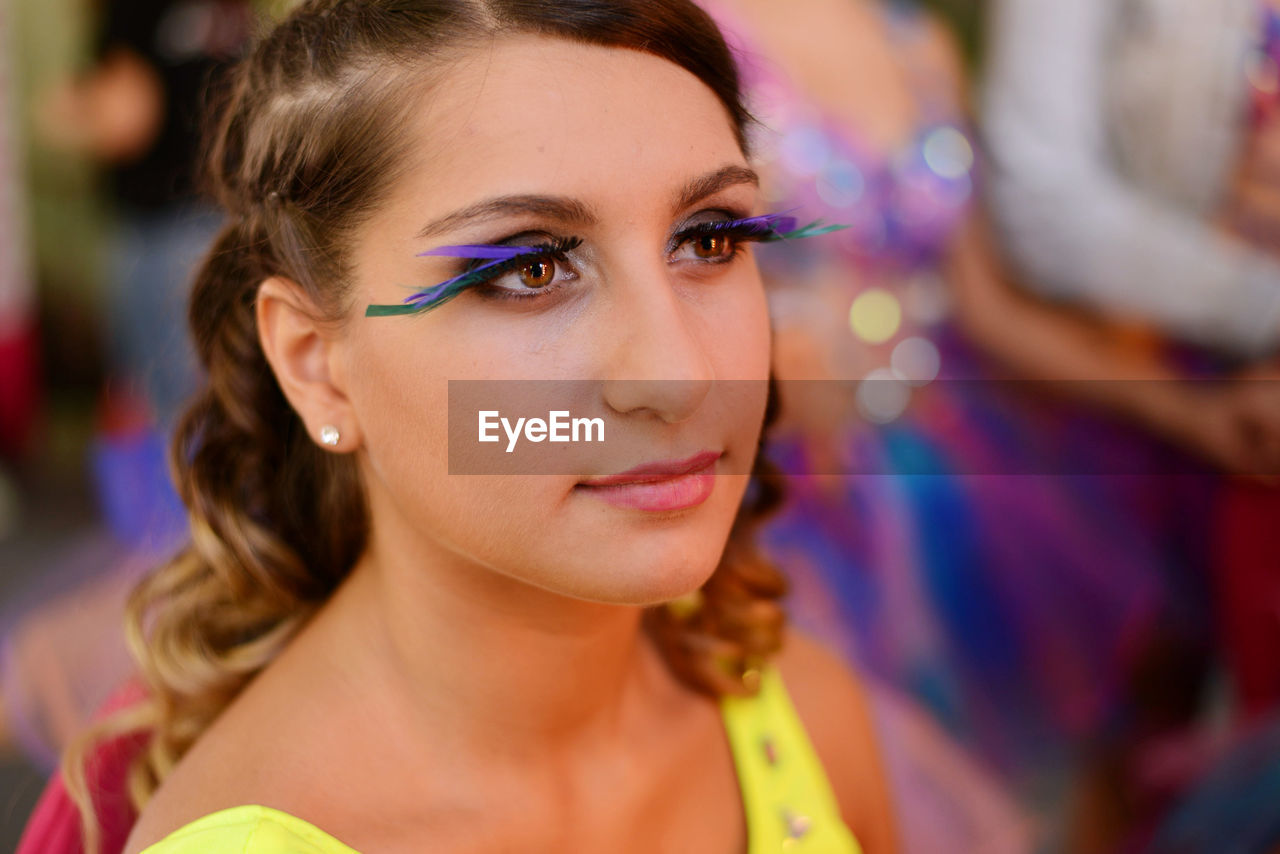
point(305, 142)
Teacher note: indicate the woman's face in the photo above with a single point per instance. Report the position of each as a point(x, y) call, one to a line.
point(537, 140)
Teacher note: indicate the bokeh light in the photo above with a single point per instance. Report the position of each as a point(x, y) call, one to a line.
point(916, 361)
point(875, 316)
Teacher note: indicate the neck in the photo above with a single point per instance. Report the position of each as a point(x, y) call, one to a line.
point(494, 665)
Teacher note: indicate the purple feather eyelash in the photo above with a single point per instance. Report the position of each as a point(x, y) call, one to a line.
point(500, 257)
point(489, 251)
point(762, 224)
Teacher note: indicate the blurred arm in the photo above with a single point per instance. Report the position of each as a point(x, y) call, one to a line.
point(1083, 355)
point(1077, 228)
point(114, 114)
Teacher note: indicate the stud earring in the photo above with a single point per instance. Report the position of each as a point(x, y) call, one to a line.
point(329, 435)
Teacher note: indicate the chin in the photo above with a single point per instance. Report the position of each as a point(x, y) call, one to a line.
point(652, 573)
point(660, 560)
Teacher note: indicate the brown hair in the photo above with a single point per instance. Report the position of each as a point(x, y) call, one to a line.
point(305, 144)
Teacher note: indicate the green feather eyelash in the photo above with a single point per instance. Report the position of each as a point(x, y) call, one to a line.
point(501, 258)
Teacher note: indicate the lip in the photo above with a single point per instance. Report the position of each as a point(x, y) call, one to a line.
point(662, 486)
point(651, 472)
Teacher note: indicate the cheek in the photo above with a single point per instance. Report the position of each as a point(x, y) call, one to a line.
point(737, 341)
point(736, 330)
point(401, 396)
point(401, 373)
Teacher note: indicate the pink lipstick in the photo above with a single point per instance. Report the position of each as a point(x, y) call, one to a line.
point(658, 487)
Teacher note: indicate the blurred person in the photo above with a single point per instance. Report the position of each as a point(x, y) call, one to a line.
point(19, 386)
point(484, 663)
point(1022, 610)
point(1114, 130)
point(135, 110)
point(1249, 570)
point(1136, 154)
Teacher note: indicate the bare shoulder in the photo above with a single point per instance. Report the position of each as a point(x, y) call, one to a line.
point(170, 808)
point(834, 708)
point(196, 787)
point(246, 756)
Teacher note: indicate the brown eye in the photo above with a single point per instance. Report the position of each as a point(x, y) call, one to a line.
point(538, 273)
point(711, 246)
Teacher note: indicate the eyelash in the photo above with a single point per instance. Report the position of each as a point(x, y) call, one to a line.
point(738, 230)
point(556, 251)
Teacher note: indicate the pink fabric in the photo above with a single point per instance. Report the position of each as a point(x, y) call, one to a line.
point(946, 802)
point(54, 826)
point(20, 393)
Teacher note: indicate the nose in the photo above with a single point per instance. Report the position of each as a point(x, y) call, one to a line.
point(655, 353)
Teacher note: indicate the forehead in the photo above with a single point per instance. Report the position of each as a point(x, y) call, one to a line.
point(531, 114)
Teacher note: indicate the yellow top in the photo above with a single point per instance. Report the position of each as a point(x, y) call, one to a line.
point(788, 802)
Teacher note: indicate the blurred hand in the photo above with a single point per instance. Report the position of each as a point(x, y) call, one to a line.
point(114, 114)
point(1234, 424)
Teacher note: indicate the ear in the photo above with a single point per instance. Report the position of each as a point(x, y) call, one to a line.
point(302, 352)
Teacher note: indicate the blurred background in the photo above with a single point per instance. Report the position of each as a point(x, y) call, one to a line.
point(1052, 331)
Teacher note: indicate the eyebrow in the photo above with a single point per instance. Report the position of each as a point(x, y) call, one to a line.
point(569, 211)
point(563, 210)
point(710, 184)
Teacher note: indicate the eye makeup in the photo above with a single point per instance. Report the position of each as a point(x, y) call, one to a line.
point(499, 258)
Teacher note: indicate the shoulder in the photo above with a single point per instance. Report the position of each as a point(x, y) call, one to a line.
point(835, 711)
point(194, 805)
point(247, 829)
point(172, 825)
point(208, 800)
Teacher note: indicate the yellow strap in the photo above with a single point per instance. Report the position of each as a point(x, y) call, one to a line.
point(785, 792)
